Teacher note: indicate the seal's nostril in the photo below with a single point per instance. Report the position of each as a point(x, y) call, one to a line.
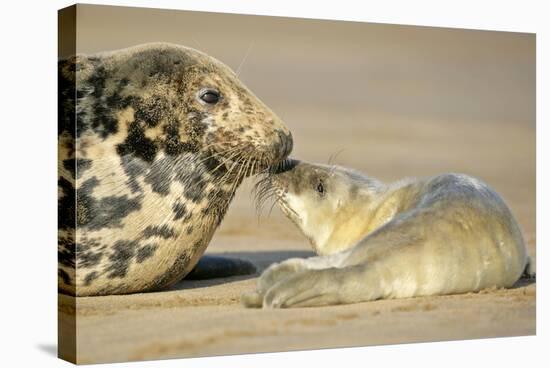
point(289, 144)
point(285, 144)
point(282, 143)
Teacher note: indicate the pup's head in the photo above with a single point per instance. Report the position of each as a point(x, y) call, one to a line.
point(323, 201)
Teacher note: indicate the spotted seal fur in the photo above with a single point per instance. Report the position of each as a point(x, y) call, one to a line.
point(153, 142)
point(441, 235)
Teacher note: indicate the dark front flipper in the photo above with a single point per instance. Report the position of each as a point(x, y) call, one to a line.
point(211, 267)
point(529, 272)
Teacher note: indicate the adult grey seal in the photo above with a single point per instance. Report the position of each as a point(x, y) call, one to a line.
point(153, 142)
point(441, 235)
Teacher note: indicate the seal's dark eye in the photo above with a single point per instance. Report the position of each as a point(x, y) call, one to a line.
point(320, 188)
point(210, 96)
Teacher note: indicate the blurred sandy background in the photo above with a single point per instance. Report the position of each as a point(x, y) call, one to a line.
point(394, 101)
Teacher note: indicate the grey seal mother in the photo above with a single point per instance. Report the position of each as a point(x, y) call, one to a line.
point(153, 142)
point(441, 235)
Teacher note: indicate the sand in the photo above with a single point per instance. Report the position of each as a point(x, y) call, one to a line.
point(393, 102)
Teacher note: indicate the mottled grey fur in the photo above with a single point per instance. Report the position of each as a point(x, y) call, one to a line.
point(147, 168)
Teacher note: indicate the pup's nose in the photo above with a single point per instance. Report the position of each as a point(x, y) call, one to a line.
point(285, 144)
point(284, 166)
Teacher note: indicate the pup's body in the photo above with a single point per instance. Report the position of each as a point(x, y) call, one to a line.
point(442, 235)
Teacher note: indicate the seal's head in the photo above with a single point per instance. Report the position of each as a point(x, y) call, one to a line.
point(324, 201)
point(177, 100)
point(153, 143)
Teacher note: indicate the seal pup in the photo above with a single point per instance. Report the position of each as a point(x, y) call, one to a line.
point(153, 142)
point(441, 235)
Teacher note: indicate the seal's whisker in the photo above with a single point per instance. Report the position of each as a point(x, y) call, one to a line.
point(220, 183)
point(266, 186)
point(334, 156)
point(262, 205)
point(251, 167)
point(246, 167)
point(264, 191)
point(262, 195)
point(217, 181)
point(221, 153)
point(260, 187)
point(244, 58)
point(241, 174)
point(271, 208)
point(222, 179)
point(236, 180)
point(197, 43)
point(226, 160)
point(254, 166)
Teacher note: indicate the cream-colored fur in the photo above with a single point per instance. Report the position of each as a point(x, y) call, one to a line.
point(442, 235)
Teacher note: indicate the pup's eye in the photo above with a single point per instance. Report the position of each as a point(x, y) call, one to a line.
point(210, 96)
point(320, 188)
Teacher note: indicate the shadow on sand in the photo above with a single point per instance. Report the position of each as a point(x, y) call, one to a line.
point(220, 268)
point(524, 281)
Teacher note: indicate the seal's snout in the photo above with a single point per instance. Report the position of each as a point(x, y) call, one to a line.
point(284, 166)
point(284, 144)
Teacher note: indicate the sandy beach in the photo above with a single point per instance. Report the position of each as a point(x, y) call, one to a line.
point(390, 101)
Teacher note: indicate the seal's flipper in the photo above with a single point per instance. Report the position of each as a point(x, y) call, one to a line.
point(529, 271)
point(252, 300)
point(212, 267)
point(313, 288)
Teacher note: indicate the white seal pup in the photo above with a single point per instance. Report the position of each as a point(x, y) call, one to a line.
point(441, 235)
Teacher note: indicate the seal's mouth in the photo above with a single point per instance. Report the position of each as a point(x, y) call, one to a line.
point(236, 163)
point(252, 159)
point(248, 161)
point(270, 188)
point(288, 211)
point(275, 186)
